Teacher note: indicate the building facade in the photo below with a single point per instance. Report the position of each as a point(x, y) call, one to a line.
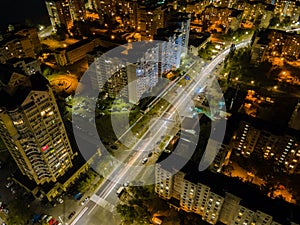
point(65, 12)
point(32, 128)
point(16, 46)
point(213, 197)
point(59, 13)
point(266, 142)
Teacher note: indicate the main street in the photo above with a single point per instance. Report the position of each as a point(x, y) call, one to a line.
point(105, 196)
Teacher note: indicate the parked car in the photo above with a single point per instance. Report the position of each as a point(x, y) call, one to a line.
point(71, 215)
point(77, 196)
point(44, 217)
point(60, 200)
point(49, 218)
point(144, 160)
point(85, 200)
point(126, 184)
point(9, 184)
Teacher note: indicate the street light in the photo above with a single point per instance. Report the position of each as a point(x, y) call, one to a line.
point(252, 81)
point(275, 87)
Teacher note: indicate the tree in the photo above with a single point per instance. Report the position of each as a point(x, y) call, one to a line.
point(19, 212)
point(274, 21)
point(61, 32)
point(126, 212)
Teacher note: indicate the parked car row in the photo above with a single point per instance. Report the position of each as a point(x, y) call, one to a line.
point(3, 208)
point(48, 219)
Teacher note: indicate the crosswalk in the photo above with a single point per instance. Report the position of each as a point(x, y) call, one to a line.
point(102, 202)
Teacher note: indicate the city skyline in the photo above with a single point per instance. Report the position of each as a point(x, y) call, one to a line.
point(150, 112)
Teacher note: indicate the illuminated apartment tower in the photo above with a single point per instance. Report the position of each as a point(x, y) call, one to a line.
point(150, 18)
point(31, 127)
point(77, 10)
point(59, 13)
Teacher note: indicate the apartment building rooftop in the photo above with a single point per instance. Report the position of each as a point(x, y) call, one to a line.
point(13, 94)
point(265, 125)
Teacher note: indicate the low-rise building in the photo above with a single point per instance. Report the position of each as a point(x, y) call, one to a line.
point(195, 44)
point(74, 52)
point(28, 65)
point(16, 46)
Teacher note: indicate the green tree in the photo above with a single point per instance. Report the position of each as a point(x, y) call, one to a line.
point(126, 212)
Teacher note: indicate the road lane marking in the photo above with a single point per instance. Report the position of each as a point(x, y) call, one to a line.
point(79, 216)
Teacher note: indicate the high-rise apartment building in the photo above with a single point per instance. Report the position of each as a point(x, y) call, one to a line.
point(32, 128)
point(120, 78)
point(77, 10)
point(149, 20)
point(65, 12)
point(59, 13)
point(182, 22)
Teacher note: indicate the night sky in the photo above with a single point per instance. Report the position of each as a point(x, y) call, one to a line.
point(17, 11)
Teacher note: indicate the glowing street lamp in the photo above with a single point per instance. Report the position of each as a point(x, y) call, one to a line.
point(252, 81)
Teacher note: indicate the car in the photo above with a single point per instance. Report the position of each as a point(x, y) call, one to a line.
point(48, 219)
point(13, 190)
point(144, 160)
point(71, 215)
point(150, 154)
point(52, 221)
point(9, 184)
point(44, 217)
point(126, 184)
point(5, 211)
point(60, 200)
point(85, 200)
point(77, 196)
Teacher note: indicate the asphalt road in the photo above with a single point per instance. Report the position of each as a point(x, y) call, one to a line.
point(106, 196)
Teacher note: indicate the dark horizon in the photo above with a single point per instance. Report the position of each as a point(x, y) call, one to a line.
point(20, 11)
